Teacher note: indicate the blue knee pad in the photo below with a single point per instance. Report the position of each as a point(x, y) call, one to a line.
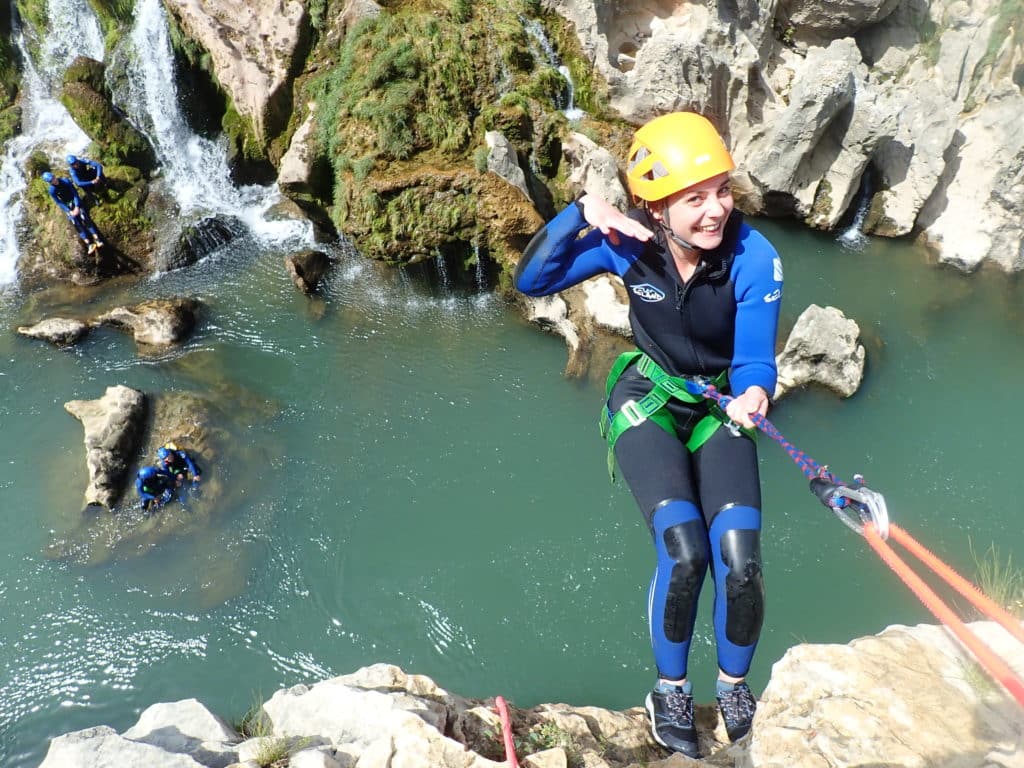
point(681, 543)
point(739, 586)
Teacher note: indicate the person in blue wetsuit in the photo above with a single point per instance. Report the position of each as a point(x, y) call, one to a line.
point(155, 486)
point(704, 291)
point(66, 197)
point(85, 173)
point(178, 463)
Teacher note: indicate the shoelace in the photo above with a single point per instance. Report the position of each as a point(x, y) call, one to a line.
point(680, 707)
point(737, 705)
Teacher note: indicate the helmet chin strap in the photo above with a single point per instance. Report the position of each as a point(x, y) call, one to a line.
point(670, 233)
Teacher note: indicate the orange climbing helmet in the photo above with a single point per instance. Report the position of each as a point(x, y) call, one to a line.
point(673, 152)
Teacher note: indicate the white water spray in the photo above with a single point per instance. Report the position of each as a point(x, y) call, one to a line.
point(46, 124)
point(195, 168)
point(853, 237)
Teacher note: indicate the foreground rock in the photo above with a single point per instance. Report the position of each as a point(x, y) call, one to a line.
point(112, 426)
point(824, 349)
point(906, 697)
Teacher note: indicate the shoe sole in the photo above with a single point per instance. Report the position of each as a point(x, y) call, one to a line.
point(649, 706)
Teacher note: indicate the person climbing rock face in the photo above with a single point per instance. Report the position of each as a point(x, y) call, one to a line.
point(66, 197)
point(704, 291)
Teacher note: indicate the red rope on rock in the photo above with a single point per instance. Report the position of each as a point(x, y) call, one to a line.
point(506, 732)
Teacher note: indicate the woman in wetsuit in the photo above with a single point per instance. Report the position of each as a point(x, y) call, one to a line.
point(704, 291)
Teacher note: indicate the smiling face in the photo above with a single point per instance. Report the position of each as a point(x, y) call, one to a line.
point(698, 213)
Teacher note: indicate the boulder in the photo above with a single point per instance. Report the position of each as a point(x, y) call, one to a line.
point(112, 427)
point(199, 240)
point(593, 169)
point(830, 19)
point(187, 727)
point(60, 331)
point(155, 323)
point(822, 349)
point(503, 161)
point(307, 268)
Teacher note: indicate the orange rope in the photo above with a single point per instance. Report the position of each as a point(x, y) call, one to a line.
point(978, 598)
point(985, 656)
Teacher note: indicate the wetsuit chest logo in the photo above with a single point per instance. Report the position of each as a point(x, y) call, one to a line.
point(647, 292)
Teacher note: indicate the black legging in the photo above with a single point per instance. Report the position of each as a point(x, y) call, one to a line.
point(702, 509)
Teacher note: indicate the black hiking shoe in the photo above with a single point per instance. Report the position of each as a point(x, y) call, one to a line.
point(671, 713)
point(737, 707)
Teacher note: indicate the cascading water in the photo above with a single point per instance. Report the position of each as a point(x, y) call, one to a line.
point(853, 237)
point(195, 168)
point(547, 52)
point(46, 124)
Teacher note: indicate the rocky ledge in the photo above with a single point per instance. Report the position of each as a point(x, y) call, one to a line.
point(906, 697)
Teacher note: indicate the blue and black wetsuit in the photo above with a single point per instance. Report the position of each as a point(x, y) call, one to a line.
point(66, 197)
point(702, 508)
point(180, 463)
point(155, 486)
point(87, 174)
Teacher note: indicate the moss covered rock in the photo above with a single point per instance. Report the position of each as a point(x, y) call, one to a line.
point(403, 105)
point(89, 103)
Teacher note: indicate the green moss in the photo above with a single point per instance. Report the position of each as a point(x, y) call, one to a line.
point(10, 123)
point(241, 137)
point(115, 17)
point(120, 142)
point(591, 90)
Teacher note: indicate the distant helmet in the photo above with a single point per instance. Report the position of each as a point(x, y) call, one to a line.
point(148, 473)
point(163, 453)
point(47, 177)
point(170, 446)
point(72, 159)
point(673, 152)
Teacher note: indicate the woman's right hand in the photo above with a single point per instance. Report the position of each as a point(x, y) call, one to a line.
point(610, 221)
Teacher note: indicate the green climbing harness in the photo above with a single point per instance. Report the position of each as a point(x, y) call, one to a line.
point(652, 405)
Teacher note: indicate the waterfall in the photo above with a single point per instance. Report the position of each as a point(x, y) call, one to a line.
point(442, 273)
point(194, 168)
point(853, 236)
point(45, 123)
point(550, 57)
point(480, 272)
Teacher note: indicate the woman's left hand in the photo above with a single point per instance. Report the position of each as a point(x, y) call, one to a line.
point(754, 400)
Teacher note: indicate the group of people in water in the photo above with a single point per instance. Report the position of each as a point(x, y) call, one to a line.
point(85, 175)
point(158, 483)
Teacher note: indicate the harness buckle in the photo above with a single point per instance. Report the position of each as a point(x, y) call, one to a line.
point(633, 414)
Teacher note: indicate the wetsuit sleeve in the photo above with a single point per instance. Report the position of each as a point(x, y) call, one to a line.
point(757, 276)
point(141, 488)
point(74, 175)
point(556, 258)
point(189, 463)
